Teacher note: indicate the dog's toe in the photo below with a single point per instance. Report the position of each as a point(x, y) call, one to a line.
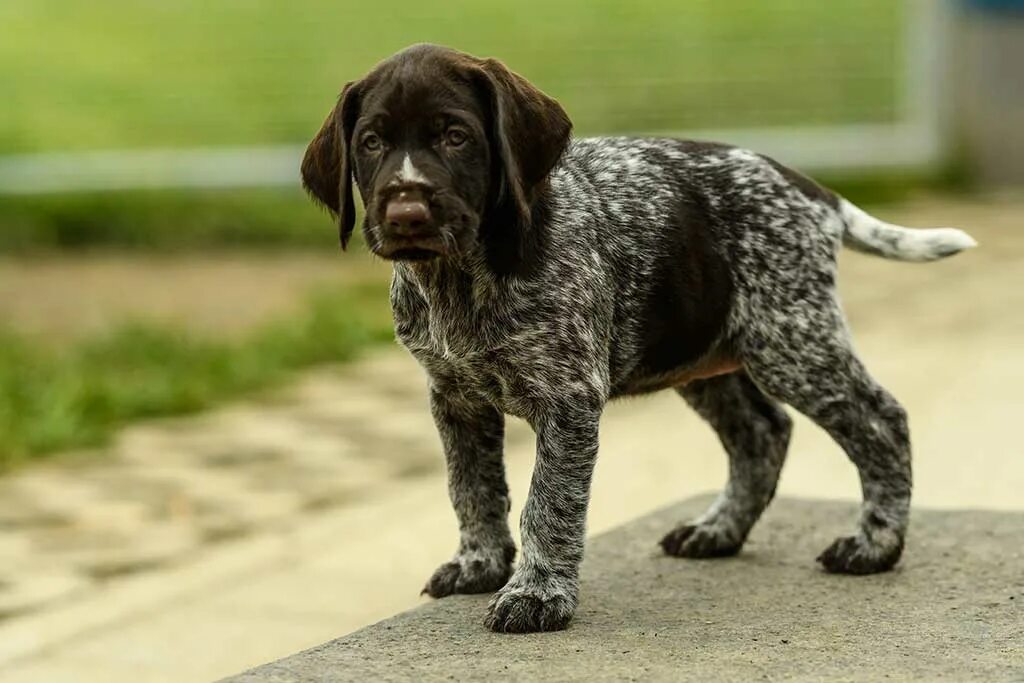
point(858, 555)
point(442, 582)
point(699, 541)
point(526, 609)
point(468, 575)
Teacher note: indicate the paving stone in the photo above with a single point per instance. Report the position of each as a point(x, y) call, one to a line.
point(30, 587)
point(103, 552)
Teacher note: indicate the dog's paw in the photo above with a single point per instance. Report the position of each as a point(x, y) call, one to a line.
point(531, 607)
point(471, 572)
point(859, 555)
point(701, 541)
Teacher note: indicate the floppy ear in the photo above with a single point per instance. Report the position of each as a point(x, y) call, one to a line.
point(326, 168)
point(530, 132)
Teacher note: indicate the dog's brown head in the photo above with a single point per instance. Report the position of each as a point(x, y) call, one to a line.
point(448, 151)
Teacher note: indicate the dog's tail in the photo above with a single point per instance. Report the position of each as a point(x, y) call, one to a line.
point(863, 232)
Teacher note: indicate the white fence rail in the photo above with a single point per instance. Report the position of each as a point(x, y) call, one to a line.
point(813, 149)
point(150, 169)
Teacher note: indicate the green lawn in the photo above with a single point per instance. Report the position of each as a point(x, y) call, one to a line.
point(165, 220)
point(53, 400)
point(128, 73)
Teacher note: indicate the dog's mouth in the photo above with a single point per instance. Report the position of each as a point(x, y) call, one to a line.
point(412, 254)
point(420, 248)
point(443, 238)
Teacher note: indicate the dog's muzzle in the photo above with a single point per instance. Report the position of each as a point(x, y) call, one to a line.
point(408, 231)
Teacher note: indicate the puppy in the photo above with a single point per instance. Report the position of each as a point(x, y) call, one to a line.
point(542, 276)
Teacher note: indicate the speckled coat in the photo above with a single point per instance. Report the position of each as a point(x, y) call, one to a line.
point(656, 263)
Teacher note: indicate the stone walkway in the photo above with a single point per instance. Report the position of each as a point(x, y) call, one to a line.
point(170, 491)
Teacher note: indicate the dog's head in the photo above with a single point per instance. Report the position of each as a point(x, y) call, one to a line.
point(448, 151)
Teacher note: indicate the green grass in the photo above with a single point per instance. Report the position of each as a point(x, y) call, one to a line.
point(76, 397)
point(164, 220)
point(125, 73)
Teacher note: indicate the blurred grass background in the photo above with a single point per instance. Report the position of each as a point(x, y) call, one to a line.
point(126, 74)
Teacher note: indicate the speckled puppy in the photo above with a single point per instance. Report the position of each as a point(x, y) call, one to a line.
point(540, 276)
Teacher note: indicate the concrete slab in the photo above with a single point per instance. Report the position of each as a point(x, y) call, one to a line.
point(953, 610)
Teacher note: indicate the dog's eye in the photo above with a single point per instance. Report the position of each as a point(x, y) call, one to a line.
point(455, 137)
point(371, 142)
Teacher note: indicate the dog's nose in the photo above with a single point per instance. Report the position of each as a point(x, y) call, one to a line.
point(407, 216)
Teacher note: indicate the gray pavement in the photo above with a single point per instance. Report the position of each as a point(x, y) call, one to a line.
point(953, 610)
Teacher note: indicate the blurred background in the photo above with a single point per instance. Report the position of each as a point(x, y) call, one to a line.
point(212, 455)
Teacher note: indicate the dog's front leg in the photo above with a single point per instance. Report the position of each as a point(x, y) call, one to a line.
point(542, 593)
point(472, 434)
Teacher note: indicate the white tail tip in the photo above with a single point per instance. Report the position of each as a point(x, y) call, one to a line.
point(958, 239)
point(868, 234)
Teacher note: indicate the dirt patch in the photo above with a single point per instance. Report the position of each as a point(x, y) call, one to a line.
point(65, 298)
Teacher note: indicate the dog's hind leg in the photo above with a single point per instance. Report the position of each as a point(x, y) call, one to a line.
point(755, 431)
point(803, 357)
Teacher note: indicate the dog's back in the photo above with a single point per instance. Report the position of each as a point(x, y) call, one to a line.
point(696, 238)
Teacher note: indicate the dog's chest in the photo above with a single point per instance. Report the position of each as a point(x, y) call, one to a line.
point(464, 350)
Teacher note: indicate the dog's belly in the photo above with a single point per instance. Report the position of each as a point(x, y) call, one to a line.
point(677, 377)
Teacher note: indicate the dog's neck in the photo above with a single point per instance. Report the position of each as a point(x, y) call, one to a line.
point(452, 279)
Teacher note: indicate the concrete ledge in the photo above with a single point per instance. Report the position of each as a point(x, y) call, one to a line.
point(953, 610)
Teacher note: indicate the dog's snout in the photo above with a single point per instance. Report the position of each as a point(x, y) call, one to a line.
point(407, 215)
